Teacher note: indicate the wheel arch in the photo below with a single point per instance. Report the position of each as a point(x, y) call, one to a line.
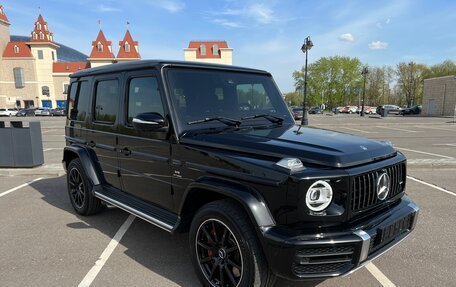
point(207, 190)
point(88, 161)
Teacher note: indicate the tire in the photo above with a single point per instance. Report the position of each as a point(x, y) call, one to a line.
point(80, 190)
point(235, 259)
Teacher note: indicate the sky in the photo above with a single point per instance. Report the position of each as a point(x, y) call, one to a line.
point(265, 35)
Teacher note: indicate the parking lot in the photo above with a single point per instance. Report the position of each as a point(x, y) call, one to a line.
point(44, 242)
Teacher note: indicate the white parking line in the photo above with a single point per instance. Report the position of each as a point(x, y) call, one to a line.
point(48, 131)
point(88, 279)
point(447, 144)
point(356, 130)
point(396, 129)
point(431, 185)
point(52, 148)
point(435, 128)
point(379, 275)
point(20, 186)
point(423, 152)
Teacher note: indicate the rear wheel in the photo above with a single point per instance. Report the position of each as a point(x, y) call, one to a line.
point(80, 190)
point(224, 248)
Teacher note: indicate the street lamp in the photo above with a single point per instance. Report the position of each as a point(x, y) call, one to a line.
point(305, 48)
point(364, 72)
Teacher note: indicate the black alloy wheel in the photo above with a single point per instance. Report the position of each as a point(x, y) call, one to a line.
point(80, 190)
point(219, 254)
point(76, 187)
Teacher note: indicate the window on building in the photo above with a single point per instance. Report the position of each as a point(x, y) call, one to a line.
point(100, 47)
point(127, 47)
point(65, 88)
point(41, 36)
point(16, 49)
point(53, 56)
point(45, 91)
point(40, 55)
point(38, 26)
point(19, 79)
point(34, 36)
point(106, 101)
point(144, 97)
point(45, 27)
point(51, 37)
point(203, 50)
point(215, 50)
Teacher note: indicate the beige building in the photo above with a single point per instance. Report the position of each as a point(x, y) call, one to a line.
point(33, 75)
point(216, 52)
point(439, 97)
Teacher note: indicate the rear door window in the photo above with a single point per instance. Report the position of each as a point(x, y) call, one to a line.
point(106, 101)
point(143, 97)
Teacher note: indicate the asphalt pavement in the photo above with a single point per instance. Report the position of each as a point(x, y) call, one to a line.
point(44, 242)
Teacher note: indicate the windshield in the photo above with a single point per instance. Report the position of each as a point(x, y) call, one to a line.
point(204, 94)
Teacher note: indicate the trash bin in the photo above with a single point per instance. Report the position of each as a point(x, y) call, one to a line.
point(384, 112)
point(21, 146)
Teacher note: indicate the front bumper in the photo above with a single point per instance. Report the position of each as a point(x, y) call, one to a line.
point(331, 254)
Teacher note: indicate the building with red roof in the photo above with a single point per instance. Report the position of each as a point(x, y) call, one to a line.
point(33, 75)
point(209, 51)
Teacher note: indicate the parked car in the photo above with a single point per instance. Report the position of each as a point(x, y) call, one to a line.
point(259, 195)
point(414, 110)
point(42, 112)
point(26, 113)
point(390, 109)
point(57, 112)
point(297, 113)
point(315, 110)
point(8, 112)
point(367, 110)
point(350, 109)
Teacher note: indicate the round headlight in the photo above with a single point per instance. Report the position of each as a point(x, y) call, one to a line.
point(319, 195)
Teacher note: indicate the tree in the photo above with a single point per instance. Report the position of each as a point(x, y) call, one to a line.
point(410, 81)
point(331, 80)
point(293, 98)
point(379, 85)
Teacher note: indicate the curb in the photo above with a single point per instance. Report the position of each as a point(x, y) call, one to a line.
point(44, 170)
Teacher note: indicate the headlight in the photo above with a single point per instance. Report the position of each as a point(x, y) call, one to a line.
point(319, 195)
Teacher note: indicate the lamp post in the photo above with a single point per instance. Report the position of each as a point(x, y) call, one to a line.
point(364, 72)
point(305, 48)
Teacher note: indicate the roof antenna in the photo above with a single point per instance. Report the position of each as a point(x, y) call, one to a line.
point(128, 25)
point(99, 23)
point(39, 10)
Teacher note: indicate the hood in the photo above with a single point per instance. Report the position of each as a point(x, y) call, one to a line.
point(311, 145)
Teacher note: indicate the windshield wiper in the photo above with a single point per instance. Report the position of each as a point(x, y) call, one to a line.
point(271, 118)
point(226, 121)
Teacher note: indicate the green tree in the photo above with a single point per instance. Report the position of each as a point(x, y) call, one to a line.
point(446, 68)
point(410, 78)
point(331, 80)
point(293, 98)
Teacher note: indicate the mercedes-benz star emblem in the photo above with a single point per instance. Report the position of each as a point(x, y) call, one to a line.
point(383, 186)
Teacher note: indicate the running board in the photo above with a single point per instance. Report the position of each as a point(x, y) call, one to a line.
point(153, 214)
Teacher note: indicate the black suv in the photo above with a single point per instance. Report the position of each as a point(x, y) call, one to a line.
point(213, 150)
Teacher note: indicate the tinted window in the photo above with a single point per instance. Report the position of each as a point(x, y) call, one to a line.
point(72, 100)
point(40, 54)
point(83, 101)
point(19, 77)
point(143, 97)
point(106, 101)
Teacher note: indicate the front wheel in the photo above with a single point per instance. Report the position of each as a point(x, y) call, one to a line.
point(224, 248)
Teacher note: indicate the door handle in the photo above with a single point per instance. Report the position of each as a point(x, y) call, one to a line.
point(125, 151)
point(92, 144)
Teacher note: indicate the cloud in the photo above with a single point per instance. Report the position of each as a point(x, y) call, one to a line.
point(348, 37)
point(387, 21)
point(172, 6)
point(261, 13)
point(379, 25)
point(227, 23)
point(105, 9)
point(378, 45)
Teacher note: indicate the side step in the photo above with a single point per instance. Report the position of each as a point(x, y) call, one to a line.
point(151, 213)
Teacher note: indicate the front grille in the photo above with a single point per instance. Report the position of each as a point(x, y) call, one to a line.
point(323, 260)
point(364, 186)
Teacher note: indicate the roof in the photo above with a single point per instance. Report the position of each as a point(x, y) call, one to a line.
point(41, 28)
point(69, 67)
point(158, 64)
point(208, 46)
point(3, 17)
point(105, 52)
point(133, 53)
point(23, 50)
point(65, 53)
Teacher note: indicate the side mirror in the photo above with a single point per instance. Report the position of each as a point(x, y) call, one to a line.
point(147, 122)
